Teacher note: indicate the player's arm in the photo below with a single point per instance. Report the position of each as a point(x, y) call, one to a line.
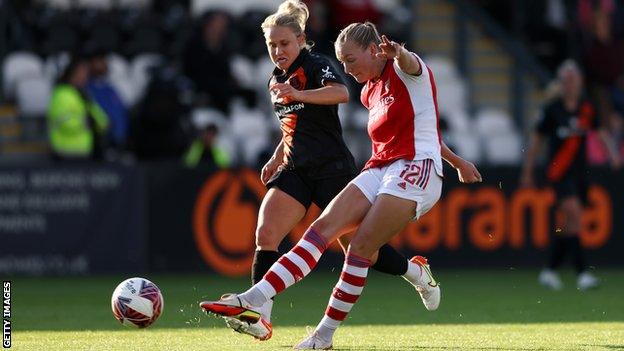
point(279, 151)
point(535, 141)
point(273, 164)
point(407, 61)
point(466, 171)
point(331, 94)
point(610, 144)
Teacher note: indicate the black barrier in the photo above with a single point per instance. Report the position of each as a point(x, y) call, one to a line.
point(74, 219)
point(163, 217)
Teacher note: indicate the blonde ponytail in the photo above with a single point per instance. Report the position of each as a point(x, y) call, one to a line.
point(292, 14)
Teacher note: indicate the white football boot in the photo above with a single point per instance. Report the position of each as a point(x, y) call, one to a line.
point(230, 305)
point(313, 342)
point(586, 281)
point(427, 287)
point(550, 279)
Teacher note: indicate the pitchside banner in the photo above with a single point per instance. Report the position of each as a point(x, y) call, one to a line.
point(204, 220)
point(72, 219)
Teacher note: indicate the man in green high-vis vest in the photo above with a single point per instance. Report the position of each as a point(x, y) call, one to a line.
point(76, 124)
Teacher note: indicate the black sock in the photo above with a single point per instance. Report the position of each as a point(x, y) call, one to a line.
point(578, 257)
point(262, 262)
point(557, 252)
point(390, 261)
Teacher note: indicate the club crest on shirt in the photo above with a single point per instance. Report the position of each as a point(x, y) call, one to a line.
point(295, 82)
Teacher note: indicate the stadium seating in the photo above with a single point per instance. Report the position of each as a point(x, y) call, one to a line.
point(33, 95)
point(18, 66)
point(54, 65)
point(501, 141)
point(140, 74)
point(94, 4)
point(250, 131)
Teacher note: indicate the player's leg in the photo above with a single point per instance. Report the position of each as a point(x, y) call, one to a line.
point(572, 210)
point(284, 205)
point(343, 213)
point(387, 260)
point(549, 277)
point(389, 214)
point(387, 217)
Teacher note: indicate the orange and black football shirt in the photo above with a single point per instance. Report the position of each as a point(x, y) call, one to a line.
point(312, 133)
point(567, 134)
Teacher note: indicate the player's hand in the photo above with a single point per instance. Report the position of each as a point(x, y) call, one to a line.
point(616, 162)
point(269, 169)
point(389, 49)
point(468, 173)
point(284, 93)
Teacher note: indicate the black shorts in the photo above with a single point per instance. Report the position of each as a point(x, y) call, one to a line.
point(307, 190)
point(571, 186)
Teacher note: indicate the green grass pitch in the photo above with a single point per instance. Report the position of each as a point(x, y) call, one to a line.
point(480, 310)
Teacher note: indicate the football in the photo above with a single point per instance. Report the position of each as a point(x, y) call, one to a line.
point(137, 301)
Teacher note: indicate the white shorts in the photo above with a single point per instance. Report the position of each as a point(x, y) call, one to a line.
point(415, 180)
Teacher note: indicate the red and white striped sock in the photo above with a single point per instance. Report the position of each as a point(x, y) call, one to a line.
point(345, 294)
point(289, 269)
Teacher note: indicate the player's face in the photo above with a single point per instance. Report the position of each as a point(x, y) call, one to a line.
point(356, 60)
point(571, 83)
point(283, 45)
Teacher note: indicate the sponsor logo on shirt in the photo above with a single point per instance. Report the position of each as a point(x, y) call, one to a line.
point(288, 109)
point(327, 73)
point(387, 100)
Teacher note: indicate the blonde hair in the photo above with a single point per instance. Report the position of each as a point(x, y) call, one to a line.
point(362, 34)
point(568, 65)
point(292, 14)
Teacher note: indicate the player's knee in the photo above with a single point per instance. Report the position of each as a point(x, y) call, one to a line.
point(268, 238)
point(361, 248)
point(321, 225)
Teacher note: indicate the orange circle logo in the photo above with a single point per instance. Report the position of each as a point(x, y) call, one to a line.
point(224, 220)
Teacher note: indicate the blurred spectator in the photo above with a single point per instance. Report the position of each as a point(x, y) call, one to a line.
point(206, 61)
point(317, 28)
point(76, 124)
point(344, 12)
point(547, 31)
point(204, 150)
point(157, 130)
point(103, 92)
point(605, 65)
point(586, 10)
